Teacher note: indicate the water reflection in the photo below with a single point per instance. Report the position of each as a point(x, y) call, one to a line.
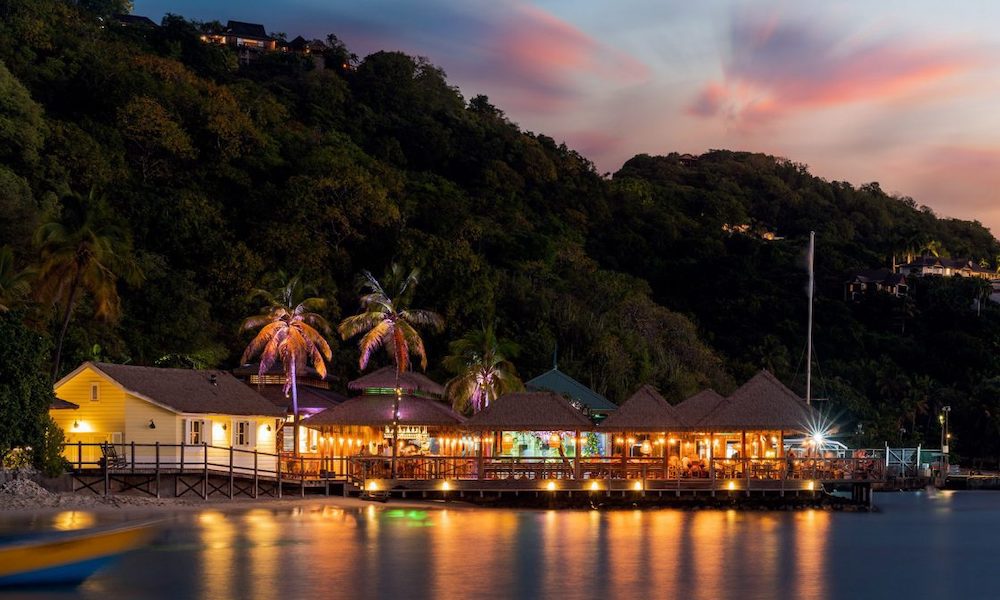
point(392, 551)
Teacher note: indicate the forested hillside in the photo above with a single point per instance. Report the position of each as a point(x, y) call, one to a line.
point(683, 272)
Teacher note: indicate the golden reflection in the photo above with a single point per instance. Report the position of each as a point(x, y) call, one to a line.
point(219, 577)
point(709, 552)
point(73, 519)
point(811, 532)
point(264, 536)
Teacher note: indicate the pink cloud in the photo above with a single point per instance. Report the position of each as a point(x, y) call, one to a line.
point(539, 60)
point(777, 68)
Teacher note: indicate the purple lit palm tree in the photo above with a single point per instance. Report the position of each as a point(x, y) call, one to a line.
point(387, 321)
point(483, 371)
point(288, 332)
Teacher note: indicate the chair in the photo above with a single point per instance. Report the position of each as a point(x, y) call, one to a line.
point(110, 457)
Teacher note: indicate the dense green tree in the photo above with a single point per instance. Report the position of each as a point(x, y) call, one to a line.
point(25, 390)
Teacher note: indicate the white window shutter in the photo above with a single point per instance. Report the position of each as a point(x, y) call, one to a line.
point(186, 439)
point(234, 432)
point(206, 432)
point(252, 435)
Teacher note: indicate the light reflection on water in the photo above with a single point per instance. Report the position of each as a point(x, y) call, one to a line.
point(920, 546)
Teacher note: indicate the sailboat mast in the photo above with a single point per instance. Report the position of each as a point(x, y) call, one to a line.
point(809, 329)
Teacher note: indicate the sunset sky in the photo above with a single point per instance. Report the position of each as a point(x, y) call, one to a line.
point(905, 93)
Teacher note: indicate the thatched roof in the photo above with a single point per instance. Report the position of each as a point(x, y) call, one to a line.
point(646, 410)
point(761, 403)
point(186, 390)
point(376, 411)
point(530, 411)
point(386, 378)
point(555, 380)
point(695, 408)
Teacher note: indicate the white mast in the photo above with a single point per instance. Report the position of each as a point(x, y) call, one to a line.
point(809, 330)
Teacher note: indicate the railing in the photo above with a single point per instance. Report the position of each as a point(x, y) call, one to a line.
point(204, 459)
point(614, 467)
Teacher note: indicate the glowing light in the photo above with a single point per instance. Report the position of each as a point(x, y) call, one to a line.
point(810, 485)
point(342, 441)
point(672, 441)
point(619, 440)
point(595, 486)
point(446, 486)
point(637, 486)
point(551, 486)
point(731, 486)
point(372, 486)
point(631, 441)
point(646, 448)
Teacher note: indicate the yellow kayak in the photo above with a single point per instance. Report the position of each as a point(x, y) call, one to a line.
point(66, 557)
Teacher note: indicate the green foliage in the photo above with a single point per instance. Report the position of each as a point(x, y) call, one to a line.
point(47, 456)
point(25, 389)
point(684, 272)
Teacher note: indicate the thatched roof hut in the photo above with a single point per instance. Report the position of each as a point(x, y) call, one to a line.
point(697, 407)
point(376, 410)
point(385, 378)
point(646, 410)
point(761, 403)
point(530, 411)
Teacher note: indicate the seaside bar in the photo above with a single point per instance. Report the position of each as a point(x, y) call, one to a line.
point(356, 436)
point(530, 435)
point(646, 436)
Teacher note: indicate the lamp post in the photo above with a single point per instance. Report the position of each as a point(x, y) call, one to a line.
point(945, 437)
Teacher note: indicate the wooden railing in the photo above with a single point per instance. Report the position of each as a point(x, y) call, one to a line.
point(614, 467)
point(242, 462)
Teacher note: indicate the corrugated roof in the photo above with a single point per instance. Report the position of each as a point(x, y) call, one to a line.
point(386, 378)
point(694, 409)
point(645, 410)
point(311, 399)
point(530, 411)
point(761, 403)
point(376, 410)
point(60, 404)
point(561, 383)
point(190, 391)
point(247, 30)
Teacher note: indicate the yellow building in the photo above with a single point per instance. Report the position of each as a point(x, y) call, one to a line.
point(206, 412)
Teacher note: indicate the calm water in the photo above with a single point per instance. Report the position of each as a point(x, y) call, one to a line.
point(919, 546)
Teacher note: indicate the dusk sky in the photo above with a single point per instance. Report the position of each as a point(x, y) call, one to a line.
point(900, 92)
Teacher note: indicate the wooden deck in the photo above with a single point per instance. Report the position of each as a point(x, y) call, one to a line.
point(230, 472)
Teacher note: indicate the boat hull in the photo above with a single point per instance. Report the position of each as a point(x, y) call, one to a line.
point(67, 558)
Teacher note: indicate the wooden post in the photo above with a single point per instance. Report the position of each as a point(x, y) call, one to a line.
point(255, 483)
point(230, 472)
point(79, 455)
point(302, 477)
point(578, 467)
point(480, 462)
point(711, 460)
point(132, 461)
point(182, 456)
point(278, 469)
point(666, 458)
point(107, 481)
point(204, 481)
point(624, 455)
point(157, 469)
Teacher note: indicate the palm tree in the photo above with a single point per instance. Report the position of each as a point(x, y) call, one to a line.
point(483, 371)
point(14, 285)
point(386, 320)
point(84, 250)
point(288, 332)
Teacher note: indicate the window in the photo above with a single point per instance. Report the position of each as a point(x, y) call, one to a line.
point(287, 439)
point(243, 433)
point(195, 429)
point(95, 391)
